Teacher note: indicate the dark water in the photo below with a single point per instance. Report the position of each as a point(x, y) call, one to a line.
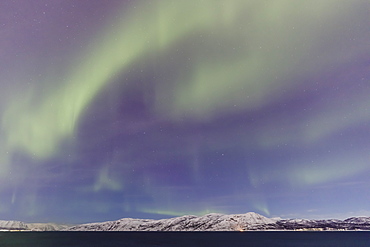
point(188, 239)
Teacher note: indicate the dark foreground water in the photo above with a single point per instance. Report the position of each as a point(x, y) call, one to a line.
point(188, 239)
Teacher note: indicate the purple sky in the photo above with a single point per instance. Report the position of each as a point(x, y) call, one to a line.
point(154, 109)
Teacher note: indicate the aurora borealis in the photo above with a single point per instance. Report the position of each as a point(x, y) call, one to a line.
point(154, 109)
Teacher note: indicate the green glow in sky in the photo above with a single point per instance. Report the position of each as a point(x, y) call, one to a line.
point(181, 106)
point(241, 72)
point(38, 122)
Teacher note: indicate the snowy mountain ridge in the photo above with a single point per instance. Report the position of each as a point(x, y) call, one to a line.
point(19, 225)
point(10, 224)
point(221, 222)
point(210, 222)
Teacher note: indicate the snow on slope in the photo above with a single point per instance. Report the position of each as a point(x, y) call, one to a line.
point(209, 222)
point(19, 225)
point(14, 225)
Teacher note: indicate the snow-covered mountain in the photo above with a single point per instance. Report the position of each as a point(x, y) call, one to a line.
point(13, 225)
point(209, 222)
point(221, 222)
point(354, 223)
point(19, 225)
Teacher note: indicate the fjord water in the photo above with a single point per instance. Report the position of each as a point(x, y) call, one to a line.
point(185, 239)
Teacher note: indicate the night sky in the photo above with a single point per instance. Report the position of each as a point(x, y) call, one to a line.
point(155, 109)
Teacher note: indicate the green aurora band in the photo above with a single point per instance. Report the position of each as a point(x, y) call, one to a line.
point(235, 55)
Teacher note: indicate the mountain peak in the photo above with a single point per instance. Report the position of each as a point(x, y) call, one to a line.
point(208, 222)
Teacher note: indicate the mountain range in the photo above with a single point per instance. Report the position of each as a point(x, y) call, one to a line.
point(210, 222)
point(19, 225)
